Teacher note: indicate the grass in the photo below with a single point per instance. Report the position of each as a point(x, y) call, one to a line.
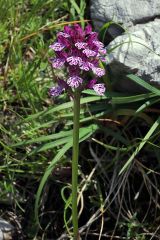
point(119, 151)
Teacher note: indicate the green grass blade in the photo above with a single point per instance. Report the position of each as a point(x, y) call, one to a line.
point(131, 99)
point(144, 84)
point(143, 142)
point(147, 104)
point(44, 138)
point(50, 145)
point(47, 174)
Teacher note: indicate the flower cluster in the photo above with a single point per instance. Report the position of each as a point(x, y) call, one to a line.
point(79, 51)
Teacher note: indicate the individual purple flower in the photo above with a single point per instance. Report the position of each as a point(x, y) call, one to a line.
point(57, 46)
point(57, 62)
point(74, 81)
point(80, 45)
point(103, 59)
point(99, 71)
point(99, 89)
point(65, 35)
point(56, 91)
point(89, 53)
point(85, 66)
point(102, 51)
point(79, 51)
point(73, 60)
point(98, 44)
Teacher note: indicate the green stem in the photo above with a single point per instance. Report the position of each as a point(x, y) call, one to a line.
point(76, 110)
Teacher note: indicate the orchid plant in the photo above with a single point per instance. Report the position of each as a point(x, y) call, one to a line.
point(78, 51)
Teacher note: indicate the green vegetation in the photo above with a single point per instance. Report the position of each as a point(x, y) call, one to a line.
point(119, 133)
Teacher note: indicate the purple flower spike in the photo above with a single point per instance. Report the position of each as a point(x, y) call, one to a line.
point(79, 51)
point(99, 89)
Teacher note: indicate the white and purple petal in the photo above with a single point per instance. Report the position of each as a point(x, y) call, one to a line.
point(102, 51)
point(57, 62)
point(99, 89)
point(74, 81)
point(98, 44)
point(89, 53)
point(57, 46)
point(93, 37)
point(98, 71)
point(103, 59)
point(55, 91)
point(84, 66)
point(74, 60)
point(91, 65)
point(65, 35)
point(80, 45)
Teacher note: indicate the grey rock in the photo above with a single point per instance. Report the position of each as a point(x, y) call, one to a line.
point(127, 12)
point(5, 226)
point(137, 52)
point(6, 230)
point(1, 235)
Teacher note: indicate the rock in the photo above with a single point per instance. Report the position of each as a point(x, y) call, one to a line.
point(1, 235)
point(127, 12)
point(6, 230)
point(137, 53)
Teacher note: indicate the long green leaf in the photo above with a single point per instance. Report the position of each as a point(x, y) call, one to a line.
point(84, 134)
point(64, 106)
point(44, 138)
